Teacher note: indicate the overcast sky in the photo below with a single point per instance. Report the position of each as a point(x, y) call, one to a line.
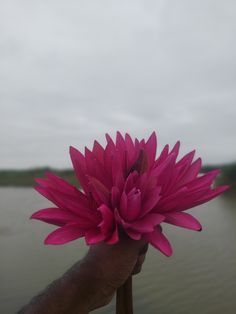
point(71, 71)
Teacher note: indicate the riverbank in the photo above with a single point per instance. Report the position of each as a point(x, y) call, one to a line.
point(25, 177)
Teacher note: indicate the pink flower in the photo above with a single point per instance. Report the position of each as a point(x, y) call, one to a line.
point(126, 188)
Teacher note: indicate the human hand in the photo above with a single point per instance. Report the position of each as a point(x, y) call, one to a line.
point(91, 282)
point(112, 265)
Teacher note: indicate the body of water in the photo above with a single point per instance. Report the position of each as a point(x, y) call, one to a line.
point(199, 278)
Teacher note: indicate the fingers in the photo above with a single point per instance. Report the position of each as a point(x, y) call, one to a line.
point(141, 258)
point(143, 249)
point(128, 244)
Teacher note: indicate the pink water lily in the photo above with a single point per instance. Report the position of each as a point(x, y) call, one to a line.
point(126, 189)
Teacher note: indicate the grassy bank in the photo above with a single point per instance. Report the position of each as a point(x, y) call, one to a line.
point(26, 177)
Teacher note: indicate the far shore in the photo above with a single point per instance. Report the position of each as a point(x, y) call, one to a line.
point(25, 177)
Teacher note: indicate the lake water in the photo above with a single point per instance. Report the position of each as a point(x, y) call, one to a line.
point(199, 278)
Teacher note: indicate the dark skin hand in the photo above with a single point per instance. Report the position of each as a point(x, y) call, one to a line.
point(92, 282)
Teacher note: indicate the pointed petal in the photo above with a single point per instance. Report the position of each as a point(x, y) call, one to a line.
point(202, 198)
point(129, 143)
point(187, 199)
point(64, 234)
point(148, 223)
point(190, 174)
point(117, 172)
point(108, 223)
point(142, 163)
point(164, 165)
point(123, 205)
point(187, 159)
point(130, 151)
point(159, 241)
point(98, 151)
point(133, 234)
point(114, 237)
point(213, 193)
point(115, 197)
point(90, 161)
point(66, 189)
point(130, 181)
point(164, 173)
point(204, 180)
point(67, 202)
point(44, 192)
point(176, 148)
point(163, 155)
point(133, 205)
point(166, 203)
point(150, 200)
point(184, 220)
point(118, 217)
point(108, 157)
point(60, 182)
point(94, 236)
point(44, 183)
point(55, 216)
point(151, 147)
point(110, 141)
point(79, 165)
point(99, 191)
point(120, 142)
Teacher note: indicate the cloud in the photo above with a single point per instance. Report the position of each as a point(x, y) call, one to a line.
point(72, 71)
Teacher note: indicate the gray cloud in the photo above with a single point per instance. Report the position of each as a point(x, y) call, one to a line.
point(71, 71)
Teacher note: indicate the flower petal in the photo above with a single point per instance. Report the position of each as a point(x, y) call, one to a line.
point(192, 172)
point(44, 191)
point(210, 195)
point(186, 160)
point(115, 197)
point(98, 151)
point(109, 140)
point(148, 223)
point(79, 165)
point(123, 205)
point(108, 224)
point(130, 151)
point(120, 142)
point(94, 236)
point(114, 237)
point(164, 165)
point(176, 148)
point(100, 192)
point(184, 220)
point(163, 155)
point(150, 200)
point(203, 197)
point(133, 205)
point(159, 241)
point(204, 180)
point(64, 234)
point(60, 183)
point(133, 234)
point(151, 147)
point(55, 216)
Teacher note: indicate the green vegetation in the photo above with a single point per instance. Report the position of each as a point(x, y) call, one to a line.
point(26, 177)
point(227, 176)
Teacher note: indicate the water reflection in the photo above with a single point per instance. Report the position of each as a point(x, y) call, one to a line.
point(199, 278)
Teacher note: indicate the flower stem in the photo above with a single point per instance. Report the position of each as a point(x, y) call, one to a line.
point(124, 298)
